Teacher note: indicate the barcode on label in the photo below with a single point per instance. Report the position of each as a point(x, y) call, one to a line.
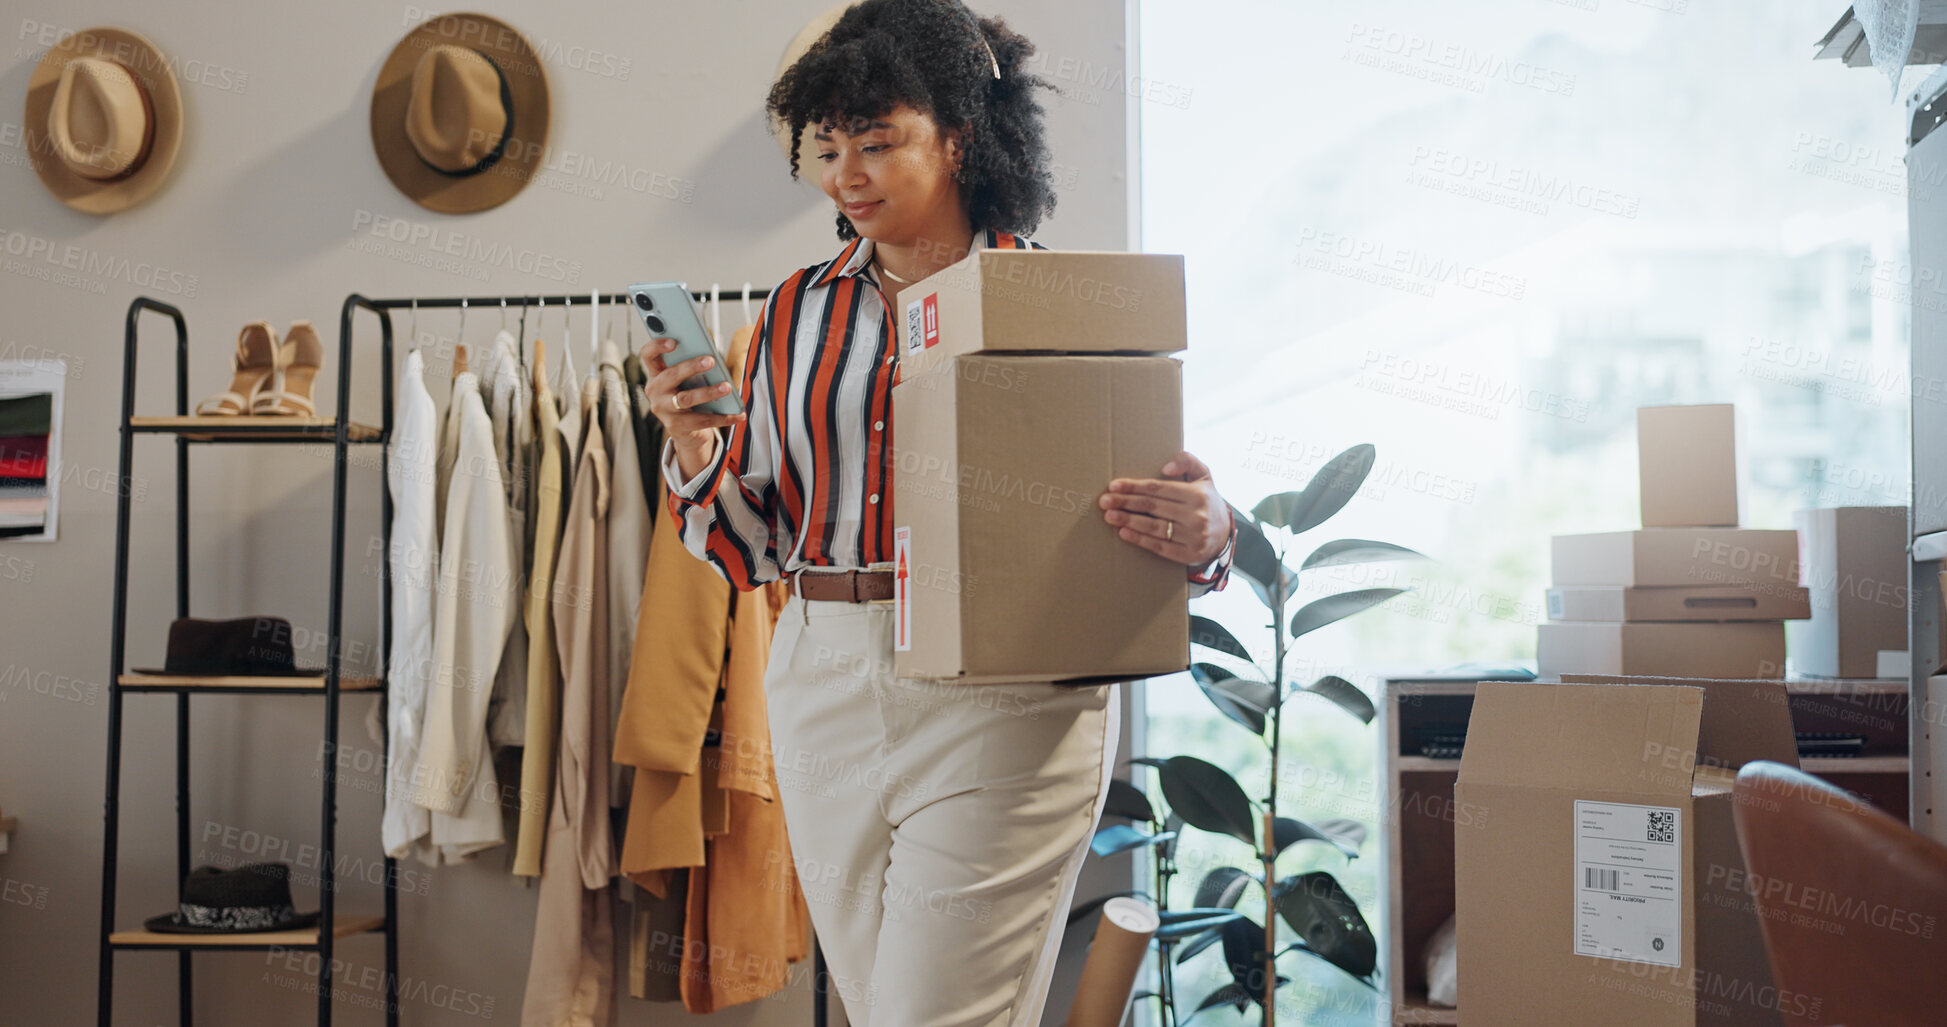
point(1604, 880)
point(1663, 826)
point(915, 328)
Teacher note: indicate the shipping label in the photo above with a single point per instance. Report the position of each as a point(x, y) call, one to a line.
point(1629, 882)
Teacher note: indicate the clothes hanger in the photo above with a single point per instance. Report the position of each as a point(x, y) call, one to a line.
point(539, 366)
point(459, 345)
point(594, 331)
point(716, 314)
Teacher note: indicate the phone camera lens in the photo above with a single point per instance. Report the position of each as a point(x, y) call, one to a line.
point(655, 323)
point(642, 300)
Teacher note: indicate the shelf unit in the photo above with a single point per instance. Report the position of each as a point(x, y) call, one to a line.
point(1927, 421)
point(341, 434)
point(1419, 835)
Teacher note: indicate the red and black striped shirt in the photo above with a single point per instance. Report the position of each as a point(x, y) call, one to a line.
point(805, 479)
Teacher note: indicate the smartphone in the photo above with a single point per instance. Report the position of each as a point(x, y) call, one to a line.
point(670, 312)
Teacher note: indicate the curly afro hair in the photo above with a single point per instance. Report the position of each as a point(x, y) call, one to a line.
point(924, 54)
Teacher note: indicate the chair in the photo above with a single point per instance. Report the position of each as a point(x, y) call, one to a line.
point(1853, 903)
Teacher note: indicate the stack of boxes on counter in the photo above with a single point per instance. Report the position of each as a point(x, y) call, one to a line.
point(1690, 594)
point(1027, 380)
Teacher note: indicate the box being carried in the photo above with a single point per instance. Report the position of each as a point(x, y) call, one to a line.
point(1602, 882)
point(1042, 301)
point(1027, 381)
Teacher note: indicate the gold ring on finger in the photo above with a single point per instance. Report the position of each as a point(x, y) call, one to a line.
point(1169, 531)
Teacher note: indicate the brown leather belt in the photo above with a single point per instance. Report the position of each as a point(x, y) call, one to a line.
point(845, 586)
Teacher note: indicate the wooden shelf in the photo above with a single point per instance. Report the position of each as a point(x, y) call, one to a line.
point(239, 683)
point(1408, 764)
point(344, 925)
point(253, 428)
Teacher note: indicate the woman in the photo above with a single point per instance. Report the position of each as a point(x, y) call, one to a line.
point(937, 832)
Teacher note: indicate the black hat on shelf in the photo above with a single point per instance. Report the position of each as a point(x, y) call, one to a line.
point(242, 646)
point(252, 897)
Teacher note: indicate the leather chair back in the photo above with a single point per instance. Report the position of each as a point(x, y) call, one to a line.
point(1853, 903)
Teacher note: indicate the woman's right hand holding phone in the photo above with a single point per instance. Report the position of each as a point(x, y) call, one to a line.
point(692, 432)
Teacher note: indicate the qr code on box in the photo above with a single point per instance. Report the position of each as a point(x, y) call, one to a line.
point(1663, 825)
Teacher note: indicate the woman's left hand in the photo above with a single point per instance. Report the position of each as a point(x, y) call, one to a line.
point(1179, 516)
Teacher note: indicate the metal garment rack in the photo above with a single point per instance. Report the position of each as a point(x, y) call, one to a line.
point(338, 432)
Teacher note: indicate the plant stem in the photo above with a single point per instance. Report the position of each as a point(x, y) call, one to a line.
point(1271, 803)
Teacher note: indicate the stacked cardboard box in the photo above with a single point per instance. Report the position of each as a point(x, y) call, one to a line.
point(1689, 594)
point(1027, 380)
point(1853, 559)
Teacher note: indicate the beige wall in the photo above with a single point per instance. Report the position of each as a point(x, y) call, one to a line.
point(267, 216)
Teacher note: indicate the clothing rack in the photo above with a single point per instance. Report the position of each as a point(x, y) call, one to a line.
point(383, 307)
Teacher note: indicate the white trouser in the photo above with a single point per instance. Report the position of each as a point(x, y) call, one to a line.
point(937, 828)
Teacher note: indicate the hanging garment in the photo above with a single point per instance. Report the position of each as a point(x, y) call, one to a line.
point(567, 393)
point(648, 430)
point(747, 916)
point(698, 643)
point(656, 941)
point(413, 557)
point(543, 669)
point(504, 388)
point(473, 612)
point(628, 543)
point(569, 977)
point(676, 668)
point(449, 451)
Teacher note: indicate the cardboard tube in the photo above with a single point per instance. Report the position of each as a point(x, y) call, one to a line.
point(1114, 958)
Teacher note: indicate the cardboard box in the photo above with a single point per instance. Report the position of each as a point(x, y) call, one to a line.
point(1677, 556)
point(1004, 567)
point(1676, 603)
point(1600, 881)
point(1042, 301)
point(1704, 649)
point(1686, 458)
point(1853, 559)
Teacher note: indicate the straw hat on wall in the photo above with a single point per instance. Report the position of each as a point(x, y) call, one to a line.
point(813, 31)
point(104, 120)
point(460, 113)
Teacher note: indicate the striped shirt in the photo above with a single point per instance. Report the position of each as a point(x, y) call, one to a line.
point(805, 480)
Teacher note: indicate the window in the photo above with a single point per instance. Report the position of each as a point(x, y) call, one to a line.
point(1479, 236)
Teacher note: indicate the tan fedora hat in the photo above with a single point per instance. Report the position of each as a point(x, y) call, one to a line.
point(460, 113)
point(104, 120)
point(813, 31)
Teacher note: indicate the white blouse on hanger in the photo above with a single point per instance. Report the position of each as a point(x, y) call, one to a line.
point(473, 612)
point(412, 479)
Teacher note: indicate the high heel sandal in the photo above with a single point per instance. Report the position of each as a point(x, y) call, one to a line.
point(298, 361)
point(252, 368)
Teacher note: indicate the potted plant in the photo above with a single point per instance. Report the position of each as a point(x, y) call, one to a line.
point(1200, 795)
